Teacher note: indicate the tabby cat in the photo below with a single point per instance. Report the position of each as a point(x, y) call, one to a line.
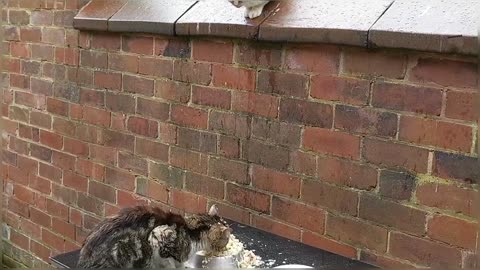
point(148, 237)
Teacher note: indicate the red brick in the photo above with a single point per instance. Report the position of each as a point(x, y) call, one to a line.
point(409, 98)
point(233, 77)
point(324, 195)
point(173, 47)
point(151, 149)
point(88, 134)
point(19, 81)
point(18, 207)
point(287, 84)
point(68, 56)
point(297, 214)
point(137, 44)
point(94, 59)
point(143, 126)
point(64, 195)
point(42, 52)
point(153, 108)
point(155, 67)
point(132, 163)
point(20, 240)
point(259, 104)
point(127, 199)
point(171, 176)
point(391, 214)
point(20, 50)
point(455, 166)
point(230, 124)
point(139, 85)
point(275, 227)
point(328, 244)
point(106, 155)
point(40, 250)
point(108, 80)
point(190, 72)
point(55, 36)
point(188, 160)
point(41, 119)
point(85, 77)
point(102, 191)
point(446, 197)
point(30, 228)
point(119, 122)
point(188, 202)
point(84, 39)
point(460, 105)
point(30, 67)
point(106, 41)
point(196, 140)
point(75, 181)
point(120, 179)
point(41, 17)
point(322, 59)
point(90, 204)
point(383, 261)
point(228, 147)
point(23, 194)
point(18, 146)
point(75, 147)
point(190, 117)
point(56, 106)
point(397, 185)
point(152, 189)
point(90, 169)
point(63, 228)
point(424, 252)
point(18, 17)
point(122, 62)
point(13, 65)
point(305, 112)
point(332, 142)
point(56, 209)
point(41, 152)
point(357, 232)
point(409, 157)
point(120, 103)
point(63, 161)
point(171, 90)
point(75, 217)
point(370, 63)
point(453, 231)
point(446, 72)
point(212, 51)
point(365, 121)
point(276, 132)
point(204, 185)
point(40, 184)
point(259, 54)
point(437, 133)
point(51, 139)
point(211, 97)
point(248, 198)
point(50, 172)
point(30, 34)
point(276, 182)
point(269, 156)
point(342, 172)
point(40, 218)
point(229, 170)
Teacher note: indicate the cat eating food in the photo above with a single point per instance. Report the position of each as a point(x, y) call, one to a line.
point(148, 237)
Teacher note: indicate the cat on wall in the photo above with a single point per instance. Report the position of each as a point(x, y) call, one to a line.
point(148, 237)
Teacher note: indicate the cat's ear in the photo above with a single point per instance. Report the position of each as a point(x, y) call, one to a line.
point(213, 210)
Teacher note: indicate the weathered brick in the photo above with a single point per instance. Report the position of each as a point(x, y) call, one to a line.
point(118, 140)
point(142, 126)
point(383, 261)
point(276, 182)
point(40, 250)
point(259, 54)
point(342, 172)
point(153, 108)
point(40, 152)
point(446, 72)
point(392, 214)
point(75, 181)
point(437, 133)
point(64, 195)
point(170, 175)
point(306, 112)
point(19, 207)
point(155, 67)
point(120, 179)
point(173, 47)
point(453, 231)
point(90, 204)
point(50, 172)
point(365, 121)
point(106, 155)
point(30, 67)
point(133, 163)
point(137, 44)
point(230, 124)
point(228, 147)
point(108, 80)
point(30, 34)
point(212, 51)
point(19, 114)
point(55, 36)
point(422, 251)
point(128, 199)
point(41, 119)
point(229, 170)
point(233, 77)
point(188, 160)
point(42, 52)
point(41, 17)
point(120, 103)
point(199, 73)
point(18, 17)
point(409, 98)
point(269, 156)
point(409, 157)
point(459, 167)
point(29, 132)
point(396, 185)
point(357, 232)
point(332, 142)
point(328, 244)
point(92, 97)
point(254, 103)
point(151, 149)
point(138, 85)
point(286, 84)
point(189, 116)
point(93, 59)
point(56, 209)
point(324, 195)
point(108, 41)
point(460, 105)
point(275, 227)
point(204, 185)
point(23, 194)
point(188, 202)
point(20, 240)
point(248, 198)
point(447, 197)
point(19, 81)
point(168, 133)
point(152, 189)
point(320, 59)
point(369, 63)
point(276, 132)
point(40, 218)
point(172, 90)
point(123, 62)
point(40, 184)
point(102, 191)
point(197, 140)
point(96, 116)
point(211, 97)
point(63, 228)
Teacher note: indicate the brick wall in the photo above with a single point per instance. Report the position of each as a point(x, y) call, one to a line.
point(370, 155)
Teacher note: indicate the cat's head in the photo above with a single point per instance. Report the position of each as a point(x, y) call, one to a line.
point(215, 232)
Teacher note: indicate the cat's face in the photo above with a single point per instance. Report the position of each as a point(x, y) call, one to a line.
point(219, 232)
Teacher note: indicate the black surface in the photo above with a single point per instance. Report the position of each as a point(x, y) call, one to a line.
point(274, 251)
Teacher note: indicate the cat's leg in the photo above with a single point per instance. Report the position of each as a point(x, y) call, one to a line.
point(254, 12)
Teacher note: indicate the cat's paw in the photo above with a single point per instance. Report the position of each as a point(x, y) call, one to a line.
point(254, 12)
